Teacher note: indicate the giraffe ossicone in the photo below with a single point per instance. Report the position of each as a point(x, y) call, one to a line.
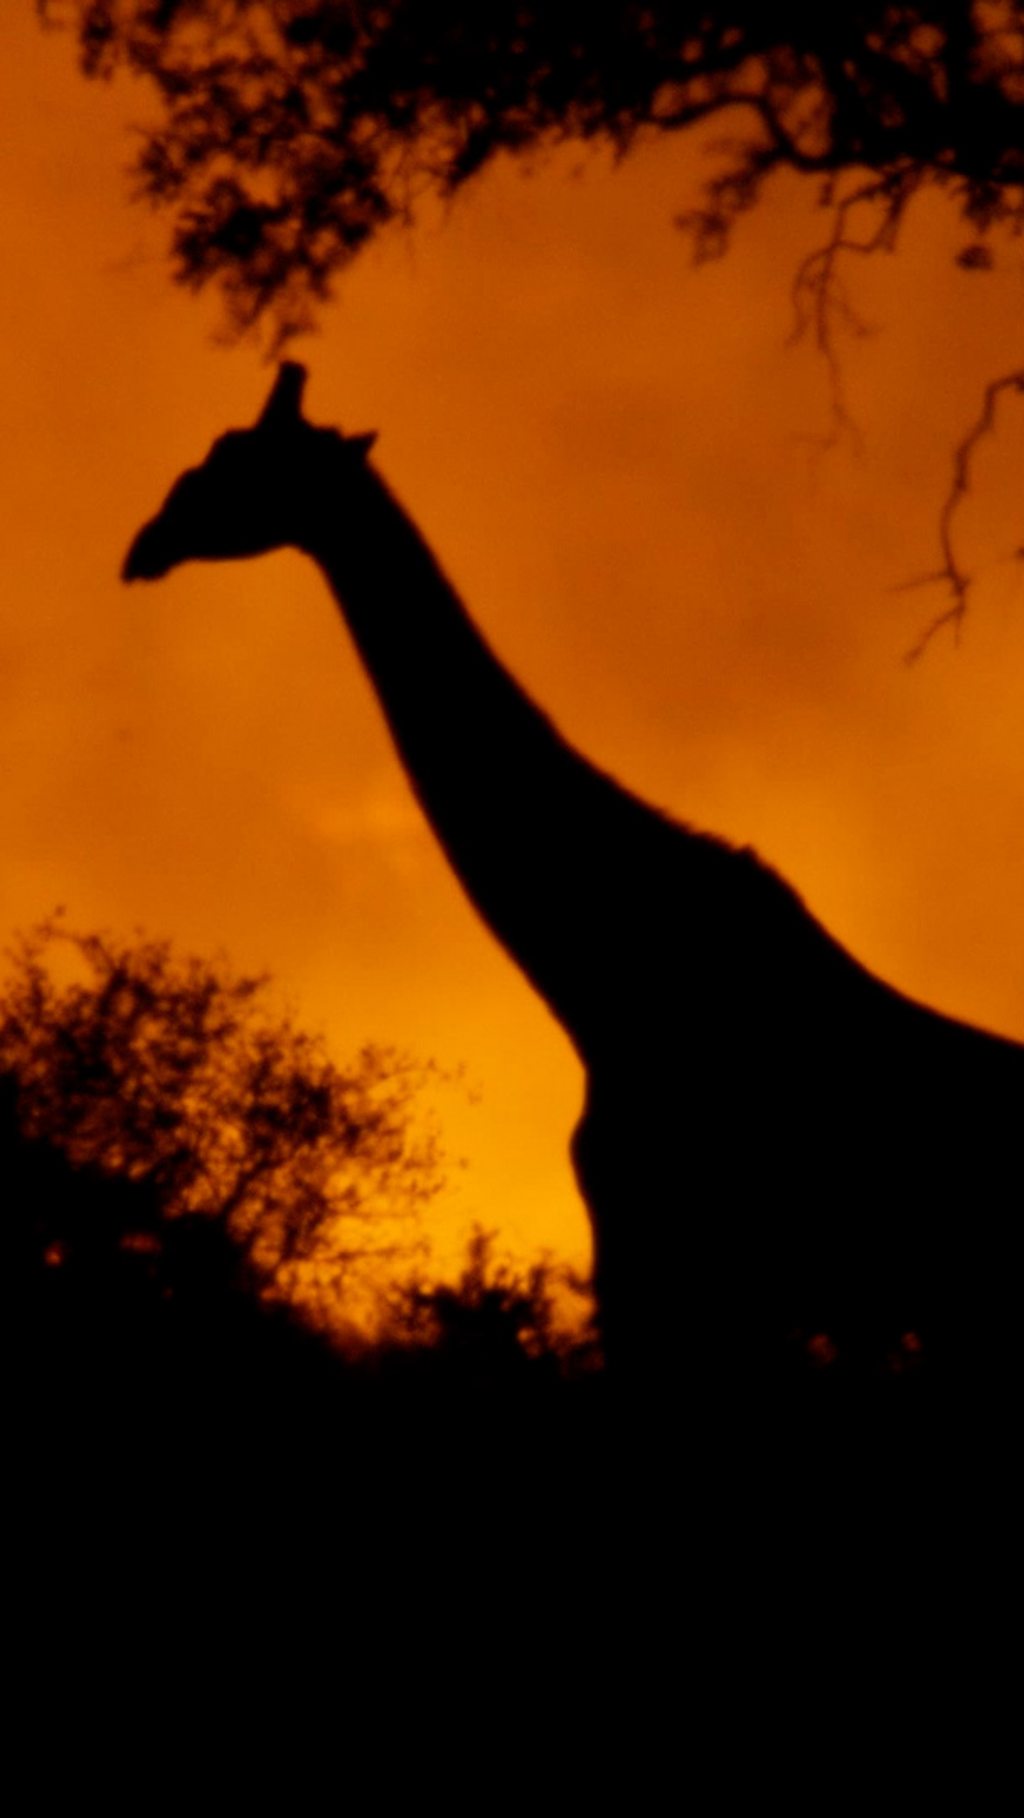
point(285, 401)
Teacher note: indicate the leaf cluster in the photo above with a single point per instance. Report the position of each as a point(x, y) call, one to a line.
point(291, 131)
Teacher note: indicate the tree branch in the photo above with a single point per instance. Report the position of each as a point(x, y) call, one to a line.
point(952, 573)
point(820, 300)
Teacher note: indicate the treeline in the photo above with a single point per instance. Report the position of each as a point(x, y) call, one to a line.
point(200, 1205)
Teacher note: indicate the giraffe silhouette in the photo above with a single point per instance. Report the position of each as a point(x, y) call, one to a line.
point(777, 1149)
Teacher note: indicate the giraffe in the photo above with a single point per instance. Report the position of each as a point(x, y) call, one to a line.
point(775, 1144)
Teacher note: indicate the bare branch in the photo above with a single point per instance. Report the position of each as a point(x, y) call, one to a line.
point(952, 573)
point(821, 304)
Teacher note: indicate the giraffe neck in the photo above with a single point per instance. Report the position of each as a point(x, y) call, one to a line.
point(492, 775)
point(436, 678)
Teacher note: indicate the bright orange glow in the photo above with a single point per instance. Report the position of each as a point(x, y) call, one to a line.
point(615, 457)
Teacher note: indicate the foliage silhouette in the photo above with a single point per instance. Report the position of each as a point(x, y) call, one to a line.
point(234, 1130)
point(193, 1189)
point(497, 1324)
point(291, 132)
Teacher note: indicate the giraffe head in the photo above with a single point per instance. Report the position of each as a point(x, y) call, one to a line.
point(252, 493)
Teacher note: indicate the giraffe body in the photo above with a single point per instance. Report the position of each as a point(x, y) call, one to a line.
point(774, 1143)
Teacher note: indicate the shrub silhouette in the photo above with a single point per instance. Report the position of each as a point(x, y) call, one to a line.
point(170, 1077)
point(497, 1326)
point(199, 1205)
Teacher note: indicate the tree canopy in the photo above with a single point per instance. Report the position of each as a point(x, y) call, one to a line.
point(290, 131)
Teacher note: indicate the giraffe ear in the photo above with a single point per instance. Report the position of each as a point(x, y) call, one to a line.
point(284, 405)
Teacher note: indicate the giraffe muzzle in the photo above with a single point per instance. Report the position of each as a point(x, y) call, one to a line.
point(148, 559)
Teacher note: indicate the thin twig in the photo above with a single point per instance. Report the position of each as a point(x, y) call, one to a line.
point(951, 573)
point(820, 300)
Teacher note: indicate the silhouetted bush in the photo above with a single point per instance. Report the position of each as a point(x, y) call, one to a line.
point(199, 1206)
point(170, 1075)
point(496, 1326)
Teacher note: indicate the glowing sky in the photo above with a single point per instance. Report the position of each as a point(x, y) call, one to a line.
point(614, 455)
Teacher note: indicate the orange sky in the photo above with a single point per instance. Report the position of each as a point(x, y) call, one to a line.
point(613, 455)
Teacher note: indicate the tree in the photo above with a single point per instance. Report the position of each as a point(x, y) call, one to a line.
point(201, 1122)
point(289, 133)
